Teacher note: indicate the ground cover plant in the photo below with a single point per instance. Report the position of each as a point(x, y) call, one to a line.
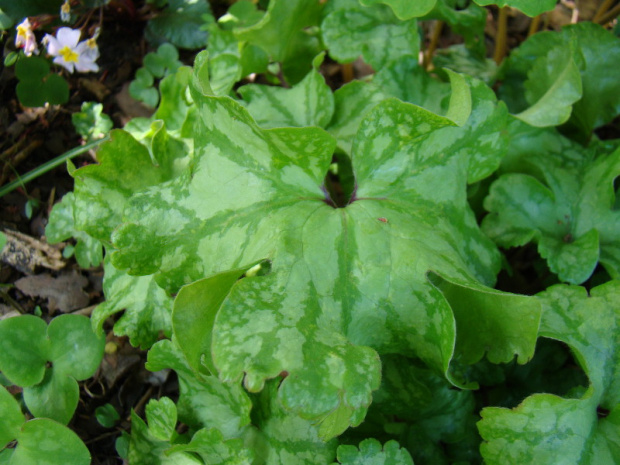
point(416, 266)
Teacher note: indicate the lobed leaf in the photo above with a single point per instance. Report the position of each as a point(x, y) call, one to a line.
point(546, 428)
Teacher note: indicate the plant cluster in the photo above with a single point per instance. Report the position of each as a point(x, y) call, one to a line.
point(319, 268)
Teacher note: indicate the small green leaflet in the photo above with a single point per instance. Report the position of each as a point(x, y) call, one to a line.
point(38, 441)
point(550, 429)
point(27, 344)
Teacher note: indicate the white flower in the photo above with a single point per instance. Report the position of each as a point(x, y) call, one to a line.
point(71, 53)
point(25, 38)
point(65, 12)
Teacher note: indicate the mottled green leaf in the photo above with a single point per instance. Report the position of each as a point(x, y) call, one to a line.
point(404, 9)
point(550, 429)
point(210, 445)
point(553, 85)
point(371, 452)
point(293, 316)
point(147, 307)
point(571, 218)
point(309, 103)
point(283, 438)
point(462, 60)
point(11, 419)
point(469, 22)
point(101, 190)
point(61, 226)
point(481, 137)
point(146, 447)
point(67, 344)
point(423, 411)
point(205, 402)
point(162, 418)
point(600, 101)
point(529, 7)
point(44, 442)
point(90, 122)
point(351, 30)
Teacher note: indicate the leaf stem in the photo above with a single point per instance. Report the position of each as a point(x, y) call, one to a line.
point(602, 9)
point(432, 46)
point(347, 72)
point(501, 36)
point(609, 16)
point(44, 168)
point(534, 26)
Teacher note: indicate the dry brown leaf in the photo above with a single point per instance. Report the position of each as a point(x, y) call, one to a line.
point(64, 293)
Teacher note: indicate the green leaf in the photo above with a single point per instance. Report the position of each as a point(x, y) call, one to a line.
point(529, 7)
point(553, 85)
point(12, 418)
point(43, 441)
point(147, 307)
point(374, 33)
point(106, 415)
point(67, 344)
point(469, 22)
point(600, 101)
point(309, 103)
point(19, 10)
point(181, 23)
point(372, 453)
point(571, 218)
point(60, 227)
point(205, 402)
point(280, 28)
point(23, 349)
point(91, 123)
point(550, 429)
point(404, 9)
point(163, 62)
point(141, 88)
point(37, 86)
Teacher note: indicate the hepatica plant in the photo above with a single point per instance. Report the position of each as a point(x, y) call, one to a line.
point(310, 263)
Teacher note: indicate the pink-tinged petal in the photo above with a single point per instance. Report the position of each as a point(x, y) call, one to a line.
point(53, 46)
point(69, 37)
point(67, 65)
point(84, 49)
point(85, 66)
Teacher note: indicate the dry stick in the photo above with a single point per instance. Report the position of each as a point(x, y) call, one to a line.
point(602, 9)
point(534, 26)
point(501, 36)
point(609, 16)
point(432, 46)
point(347, 72)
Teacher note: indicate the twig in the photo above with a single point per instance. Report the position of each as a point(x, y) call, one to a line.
point(432, 46)
point(501, 36)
